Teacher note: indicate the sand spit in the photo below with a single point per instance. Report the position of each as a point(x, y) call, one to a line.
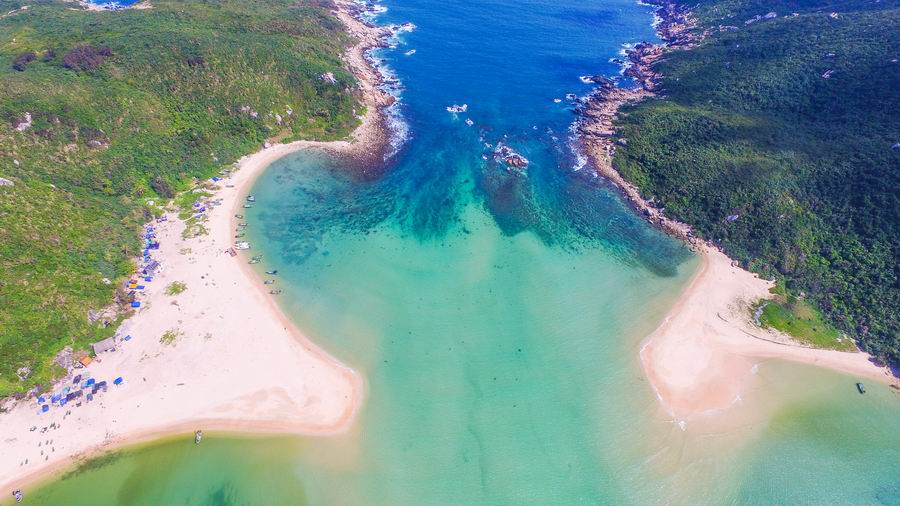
point(236, 362)
point(701, 358)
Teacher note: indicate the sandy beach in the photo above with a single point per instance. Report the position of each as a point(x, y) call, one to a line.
point(701, 358)
point(237, 363)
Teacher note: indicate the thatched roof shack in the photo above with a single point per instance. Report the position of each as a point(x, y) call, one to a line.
point(105, 345)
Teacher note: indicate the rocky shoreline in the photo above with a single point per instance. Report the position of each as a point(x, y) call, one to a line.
point(379, 87)
point(598, 111)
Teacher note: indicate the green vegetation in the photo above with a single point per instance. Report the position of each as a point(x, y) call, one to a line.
point(103, 112)
point(804, 322)
point(775, 140)
point(175, 288)
point(170, 336)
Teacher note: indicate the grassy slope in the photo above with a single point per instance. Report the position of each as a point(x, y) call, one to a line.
point(164, 109)
point(749, 127)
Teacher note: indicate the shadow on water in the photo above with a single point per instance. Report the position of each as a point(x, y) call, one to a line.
point(424, 190)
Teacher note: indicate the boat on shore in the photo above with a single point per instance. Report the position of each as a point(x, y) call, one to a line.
point(861, 388)
point(198, 436)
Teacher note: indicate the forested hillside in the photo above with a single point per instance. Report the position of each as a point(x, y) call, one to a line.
point(101, 112)
point(778, 138)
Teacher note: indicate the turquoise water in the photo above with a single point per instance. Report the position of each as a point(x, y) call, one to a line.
point(497, 316)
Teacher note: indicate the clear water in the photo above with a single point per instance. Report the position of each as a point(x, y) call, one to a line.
point(497, 316)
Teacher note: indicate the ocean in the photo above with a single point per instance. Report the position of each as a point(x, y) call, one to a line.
point(496, 313)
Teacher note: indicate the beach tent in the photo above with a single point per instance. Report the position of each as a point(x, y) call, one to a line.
point(41, 400)
point(135, 304)
point(45, 408)
point(118, 381)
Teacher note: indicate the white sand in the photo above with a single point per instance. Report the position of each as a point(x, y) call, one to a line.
point(238, 365)
point(701, 357)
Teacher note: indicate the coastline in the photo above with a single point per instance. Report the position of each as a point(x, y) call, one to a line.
point(705, 352)
point(230, 367)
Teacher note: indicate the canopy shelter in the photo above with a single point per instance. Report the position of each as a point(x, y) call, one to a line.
point(105, 345)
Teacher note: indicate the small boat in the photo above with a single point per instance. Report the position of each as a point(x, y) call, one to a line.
point(239, 216)
point(17, 494)
point(458, 108)
point(272, 273)
point(469, 122)
point(239, 235)
point(253, 261)
point(257, 257)
point(275, 292)
point(861, 388)
point(269, 282)
point(251, 198)
point(198, 436)
point(242, 245)
point(247, 206)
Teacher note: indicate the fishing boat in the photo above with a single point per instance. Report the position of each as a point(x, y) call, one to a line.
point(861, 388)
point(253, 261)
point(247, 206)
point(17, 494)
point(242, 245)
point(275, 292)
point(269, 282)
point(198, 436)
point(239, 235)
point(251, 198)
point(272, 273)
point(239, 216)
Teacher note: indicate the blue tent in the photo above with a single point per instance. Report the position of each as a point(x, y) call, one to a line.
point(118, 381)
point(89, 382)
point(45, 408)
point(128, 337)
point(148, 279)
point(135, 304)
point(41, 400)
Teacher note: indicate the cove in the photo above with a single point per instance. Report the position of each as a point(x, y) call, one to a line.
point(496, 314)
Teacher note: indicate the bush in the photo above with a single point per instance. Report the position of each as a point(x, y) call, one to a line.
point(23, 59)
point(86, 57)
